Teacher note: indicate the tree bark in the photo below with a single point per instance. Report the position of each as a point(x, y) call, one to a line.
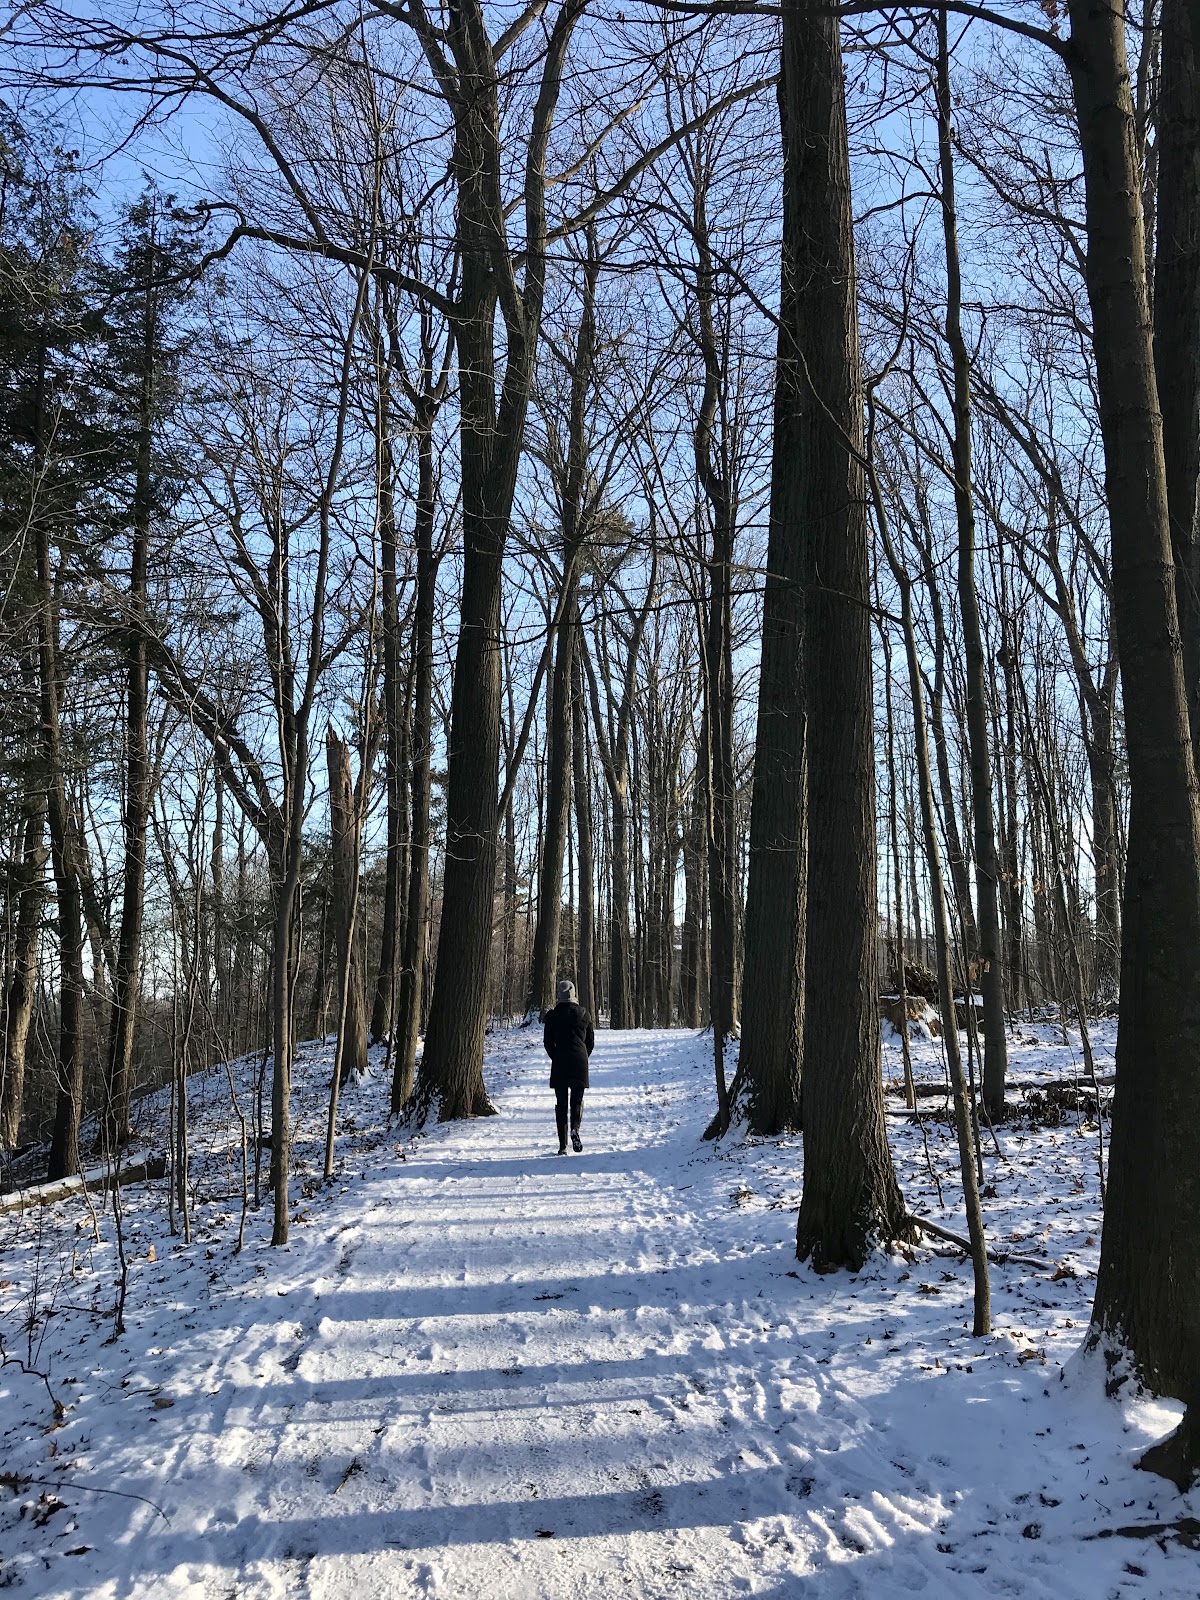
point(1177, 318)
point(1148, 1287)
point(30, 893)
point(989, 949)
point(955, 855)
point(352, 1018)
point(416, 918)
point(691, 955)
point(392, 932)
point(614, 759)
point(559, 761)
point(620, 999)
point(942, 943)
point(491, 439)
point(1102, 763)
point(1012, 900)
point(127, 971)
point(850, 1197)
point(583, 834)
point(68, 1109)
point(769, 1063)
point(714, 471)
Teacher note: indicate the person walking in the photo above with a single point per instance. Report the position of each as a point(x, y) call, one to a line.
point(569, 1038)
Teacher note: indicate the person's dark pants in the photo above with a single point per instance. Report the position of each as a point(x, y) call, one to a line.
point(560, 1110)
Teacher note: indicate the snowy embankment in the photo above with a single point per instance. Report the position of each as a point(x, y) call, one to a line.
point(481, 1370)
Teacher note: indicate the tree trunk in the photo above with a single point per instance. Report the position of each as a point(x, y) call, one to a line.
point(769, 1063)
point(722, 835)
point(955, 855)
point(282, 992)
point(352, 1019)
point(988, 951)
point(544, 974)
point(416, 918)
point(559, 742)
point(452, 1064)
point(910, 1093)
point(391, 934)
point(491, 437)
point(941, 939)
point(691, 958)
point(223, 1010)
point(30, 892)
point(583, 834)
point(68, 1109)
point(850, 1197)
point(714, 471)
point(127, 972)
point(1148, 1288)
point(1177, 318)
point(620, 1012)
point(1102, 762)
point(614, 756)
point(1012, 898)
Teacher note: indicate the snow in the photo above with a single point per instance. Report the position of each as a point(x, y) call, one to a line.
point(480, 1369)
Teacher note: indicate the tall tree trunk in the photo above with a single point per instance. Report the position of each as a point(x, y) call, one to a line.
point(68, 1109)
point(955, 854)
point(691, 958)
point(452, 1063)
point(941, 937)
point(910, 1095)
point(1177, 316)
point(614, 757)
point(583, 834)
point(1102, 762)
point(850, 1197)
point(1148, 1287)
point(511, 979)
point(559, 760)
point(716, 634)
point(544, 970)
point(352, 1016)
point(416, 918)
point(222, 1008)
point(491, 438)
point(989, 950)
point(127, 971)
point(285, 833)
point(620, 999)
point(722, 835)
point(282, 1033)
point(29, 889)
point(392, 932)
point(1010, 879)
point(769, 1063)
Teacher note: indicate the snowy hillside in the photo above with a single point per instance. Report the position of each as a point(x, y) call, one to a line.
point(482, 1370)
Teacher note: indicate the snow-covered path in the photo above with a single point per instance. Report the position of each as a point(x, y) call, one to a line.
point(484, 1370)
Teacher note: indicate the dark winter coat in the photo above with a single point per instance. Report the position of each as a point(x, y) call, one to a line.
point(569, 1039)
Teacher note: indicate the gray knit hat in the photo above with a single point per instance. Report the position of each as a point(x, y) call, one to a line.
point(566, 991)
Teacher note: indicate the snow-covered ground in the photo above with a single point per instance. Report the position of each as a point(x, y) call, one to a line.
point(481, 1370)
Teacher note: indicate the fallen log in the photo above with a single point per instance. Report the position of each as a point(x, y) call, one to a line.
point(98, 1181)
point(935, 1091)
point(1001, 1258)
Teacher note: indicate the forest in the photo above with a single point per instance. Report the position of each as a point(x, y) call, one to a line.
point(696, 499)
